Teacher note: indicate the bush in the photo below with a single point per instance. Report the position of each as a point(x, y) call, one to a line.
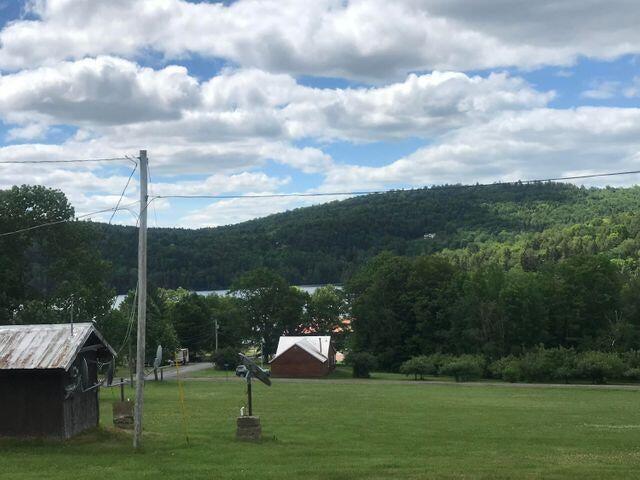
point(600, 366)
point(632, 374)
point(563, 363)
point(418, 366)
point(438, 360)
point(226, 359)
point(536, 366)
point(464, 367)
point(544, 365)
point(362, 363)
point(508, 369)
point(631, 358)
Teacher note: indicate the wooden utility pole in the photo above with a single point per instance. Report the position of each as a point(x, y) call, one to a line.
point(142, 300)
point(216, 327)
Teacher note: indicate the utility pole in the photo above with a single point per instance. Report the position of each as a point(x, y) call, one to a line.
point(216, 327)
point(142, 300)
point(72, 315)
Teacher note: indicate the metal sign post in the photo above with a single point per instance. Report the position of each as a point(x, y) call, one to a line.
point(249, 399)
point(248, 426)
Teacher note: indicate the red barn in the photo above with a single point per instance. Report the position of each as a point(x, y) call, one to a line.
point(307, 356)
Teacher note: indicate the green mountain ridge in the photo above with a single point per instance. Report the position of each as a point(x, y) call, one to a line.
point(512, 224)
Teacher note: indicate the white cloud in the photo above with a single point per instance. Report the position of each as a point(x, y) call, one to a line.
point(221, 184)
point(31, 131)
point(75, 64)
point(240, 104)
point(226, 212)
point(240, 119)
point(87, 190)
point(540, 143)
point(602, 90)
point(633, 90)
point(420, 106)
point(366, 39)
point(99, 91)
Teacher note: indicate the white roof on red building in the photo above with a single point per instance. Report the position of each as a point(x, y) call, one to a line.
point(316, 346)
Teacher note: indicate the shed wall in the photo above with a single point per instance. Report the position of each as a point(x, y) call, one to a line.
point(81, 410)
point(296, 362)
point(31, 403)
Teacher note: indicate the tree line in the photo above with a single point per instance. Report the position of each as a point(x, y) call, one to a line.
point(328, 243)
point(260, 308)
point(408, 308)
point(502, 271)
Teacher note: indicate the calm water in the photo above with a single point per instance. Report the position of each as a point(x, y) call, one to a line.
point(305, 288)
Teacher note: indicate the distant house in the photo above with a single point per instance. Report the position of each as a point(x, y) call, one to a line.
point(49, 379)
point(306, 356)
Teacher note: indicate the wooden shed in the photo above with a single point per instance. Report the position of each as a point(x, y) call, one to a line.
point(49, 379)
point(306, 356)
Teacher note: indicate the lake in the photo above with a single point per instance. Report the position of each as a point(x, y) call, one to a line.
point(117, 301)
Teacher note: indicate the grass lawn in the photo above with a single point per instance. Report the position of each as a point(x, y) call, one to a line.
point(341, 372)
point(355, 431)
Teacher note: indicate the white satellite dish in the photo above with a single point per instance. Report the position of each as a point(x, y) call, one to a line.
point(158, 360)
point(84, 374)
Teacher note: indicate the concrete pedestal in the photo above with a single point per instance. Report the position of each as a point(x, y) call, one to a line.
point(249, 429)
point(123, 414)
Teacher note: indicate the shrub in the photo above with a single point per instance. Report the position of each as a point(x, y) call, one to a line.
point(438, 360)
point(631, 359)
point(599, 366)
point(632, 374)
point(418, 366)
point(226, 359)
point(507, 368)
point(362, 363)
point(464, 367)
point(563, 363)
point(535, 366)
point(543, 365)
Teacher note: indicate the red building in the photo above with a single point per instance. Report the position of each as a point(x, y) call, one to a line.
point(307, 356)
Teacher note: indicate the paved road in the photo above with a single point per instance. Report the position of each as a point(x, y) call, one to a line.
point(185, 370)
point(170, 372)
point(351, 381)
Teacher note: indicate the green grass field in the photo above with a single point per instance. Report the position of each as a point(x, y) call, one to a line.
point(367, 430)
point(341, 372)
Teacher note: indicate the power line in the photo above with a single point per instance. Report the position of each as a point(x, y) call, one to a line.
point(155, 212)
point(372, 192)
point(79, 160)
point(57, 222)
point(83, 160)
point(133, 170)
point(131, 316)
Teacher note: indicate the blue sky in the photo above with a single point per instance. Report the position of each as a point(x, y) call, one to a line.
point(276, 96)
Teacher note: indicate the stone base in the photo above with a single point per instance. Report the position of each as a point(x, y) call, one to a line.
point(123, 414)
point(249, 429)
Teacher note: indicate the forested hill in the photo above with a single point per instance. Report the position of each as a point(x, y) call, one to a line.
point(509, 224)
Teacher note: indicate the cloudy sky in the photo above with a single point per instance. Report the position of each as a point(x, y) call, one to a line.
point(264, 96)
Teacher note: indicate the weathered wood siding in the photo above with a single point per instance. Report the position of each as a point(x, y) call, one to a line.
point(81, 410)
point(31, 403)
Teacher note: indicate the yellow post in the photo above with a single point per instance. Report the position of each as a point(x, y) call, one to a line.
point(181, 396)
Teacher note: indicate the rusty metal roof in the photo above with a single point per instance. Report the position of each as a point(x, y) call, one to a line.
point(44, 346)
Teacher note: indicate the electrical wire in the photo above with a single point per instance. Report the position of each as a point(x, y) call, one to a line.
point(79, 160)
point(133, 170)
point(155, 212)
point(373, 192)
point(57, 222)
point(130, 323)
